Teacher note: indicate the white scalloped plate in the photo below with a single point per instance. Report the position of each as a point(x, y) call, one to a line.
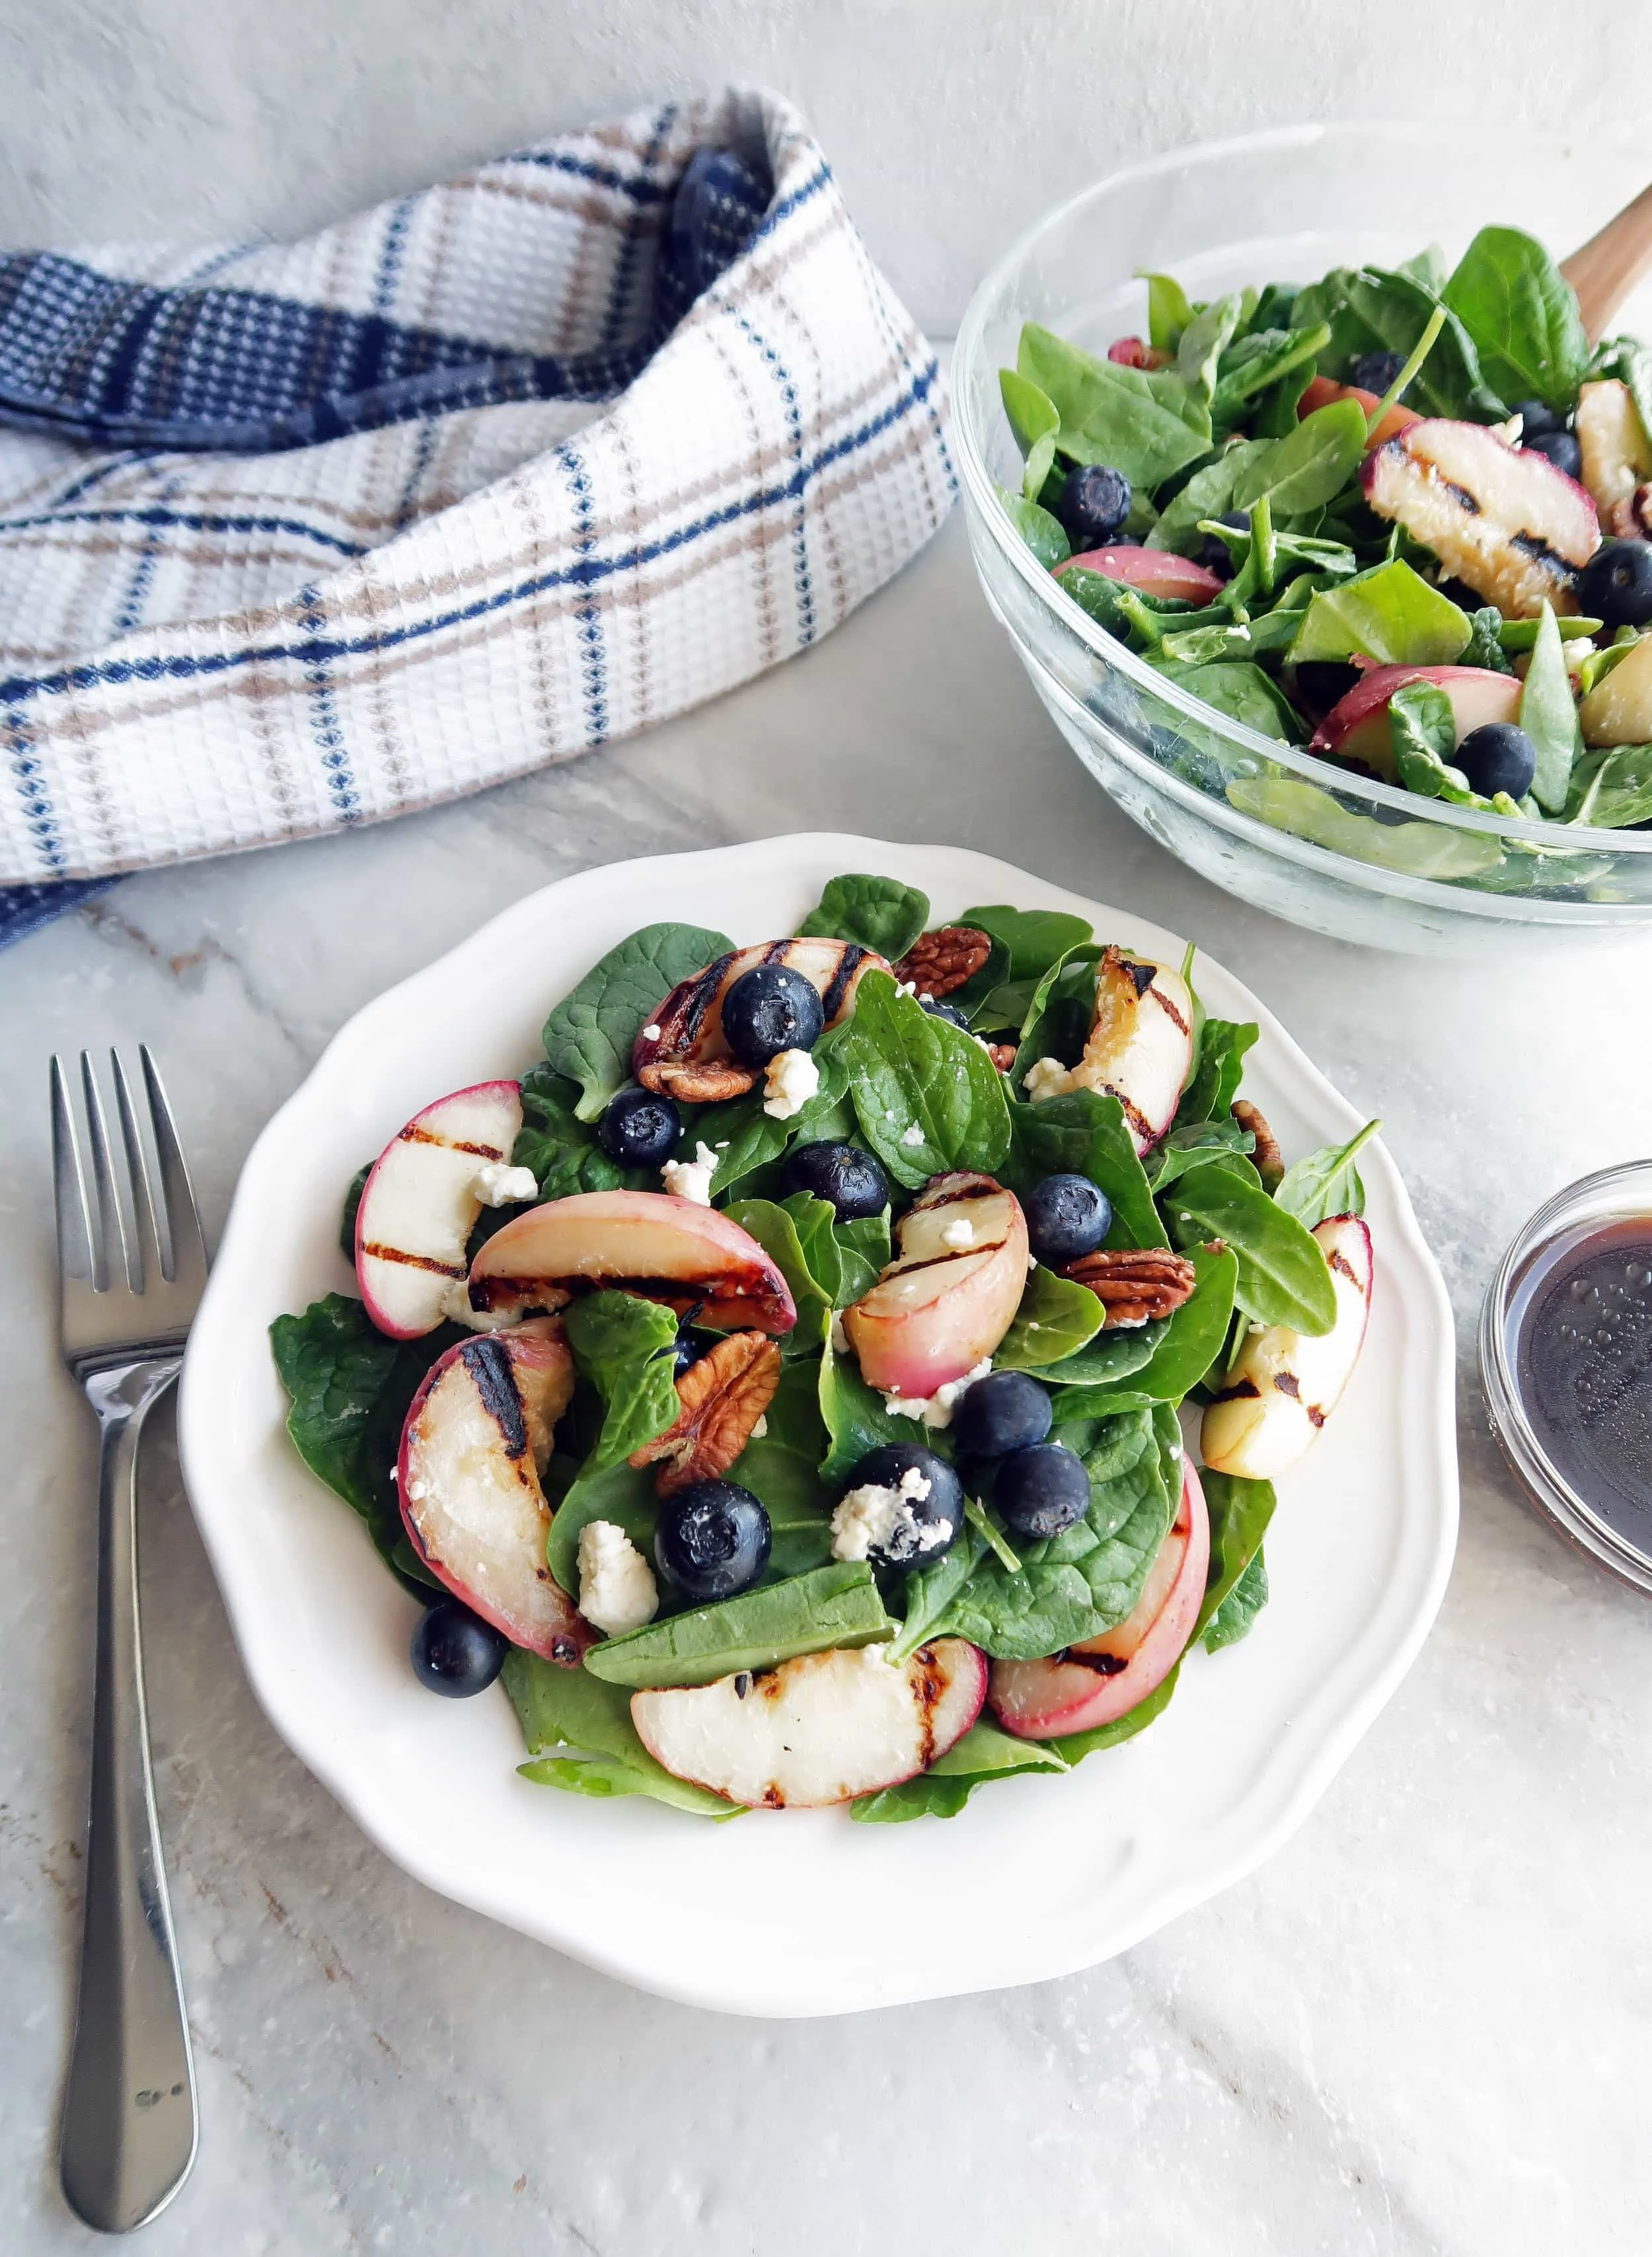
point(801, 1913)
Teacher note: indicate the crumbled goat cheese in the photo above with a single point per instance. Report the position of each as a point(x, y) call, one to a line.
point(692, 1179)
point(907, 988)
point(1046, 1078)
point(960, 1234)
point(839, 1338)
point(912, 1137)
point(456, 1307)
point(650, 1034)
point(790, 1078)
point(760, 1428)
point(936, 1409)
point(617, 1589)
point(498, 1185)
point(878, 1518)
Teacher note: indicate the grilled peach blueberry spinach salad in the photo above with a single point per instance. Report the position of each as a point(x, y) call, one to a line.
point(781, 1382)
point(1403, 517)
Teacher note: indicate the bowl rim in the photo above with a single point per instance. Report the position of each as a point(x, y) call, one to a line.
point(980, 490)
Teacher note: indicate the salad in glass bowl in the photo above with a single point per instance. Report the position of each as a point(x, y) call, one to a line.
point(784, 1383)
point(1399, 516)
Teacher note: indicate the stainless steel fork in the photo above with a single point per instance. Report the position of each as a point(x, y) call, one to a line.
point(128, 1283)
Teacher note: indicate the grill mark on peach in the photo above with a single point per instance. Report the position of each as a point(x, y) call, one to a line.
point(1237, 1393)
point(1460, 495)
point(849, 965)
point(1140, 976)
point(1101, 1665)
point(1316, 1414)
point(1288, 1384)
point(412, 1261)
point(1338, 1260)
point(1138, 1119)
point(414, 1134)
point(489, 1365)
point(934, 1261)
point(929, 1689)
point(1169, 1010)
point(1533, 545)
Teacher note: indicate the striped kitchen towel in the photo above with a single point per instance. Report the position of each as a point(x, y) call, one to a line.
point(297, 537)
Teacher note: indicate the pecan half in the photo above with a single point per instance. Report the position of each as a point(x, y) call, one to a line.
point(722, 1397)
point(938, 962)
point(1003, 1055)
point(1268, 1159)
point(1135, 1284)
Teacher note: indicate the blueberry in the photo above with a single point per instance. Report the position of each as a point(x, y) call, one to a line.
point(639, 1128)
point(456, 1653)
point(851, 1180)
point(1006, 1410)
point(687, 1350)
point(931, 1494)
point(1560, 448)
point(1322, 681)
point(771, 1008)
point(1042, 1490)
point(1215, 556)
point(712, 1540)
point(950, 1012)
point(1066, 1217)
point(1095, 503)
point(1497, 757)
point(1615, 585)
point(1536, 418)
point(1375, 371)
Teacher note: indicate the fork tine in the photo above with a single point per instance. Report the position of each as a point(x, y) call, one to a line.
point(77, 1246)
point(113, 1233)
point(186, 1245)
point(147, 1248)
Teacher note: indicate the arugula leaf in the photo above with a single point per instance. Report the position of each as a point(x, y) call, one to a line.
point(779, 1230)
point(855, 1418)
point(1083, 1134)
point(1424, 850)
point(1283, 1278)
point(1035, 420)
point(831, 1606)
point(1390, 613)
point(878, 913)
point(1057, 1315)
point(589, 1036)
point(1045, 535)
point(560, 1148)
point(1168, 312)
point(1145, 423)
point(1522, 315)
point(1310, 465)
point(1077, 1746)
point(580, 1737)
point(625, 1346)
point(1548, 716)
point(864, 1252)
point(351, 1389)
point(1326, 1182)
point(1611, 790)
point(1240, 1511)
point(1075, 1585)
point(1215, 1078)
point(984, 1753)
point(1235, 1618)
point(928, 1097)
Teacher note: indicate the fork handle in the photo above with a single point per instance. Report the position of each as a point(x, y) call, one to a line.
point(129, 2116)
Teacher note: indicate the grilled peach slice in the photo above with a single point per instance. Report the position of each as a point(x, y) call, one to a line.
point(419, 1205)
point(477, 1439)
point(1503, 520)
point(662, 1249)
point(950, 1295)
point(1286, 1384)
point(683, 1051)
point(817, 1730)
point(1323, 390)
point(1356, 729)
point(1153, 570)
point(1140, 1046)
point(1106, 1677)
point(1619, 710)
point(1616, 456)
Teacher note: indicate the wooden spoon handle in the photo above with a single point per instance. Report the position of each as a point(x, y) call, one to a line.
point(1607, 267)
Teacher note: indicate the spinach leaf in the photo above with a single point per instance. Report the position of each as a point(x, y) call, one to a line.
point(776, 1230)
point(1204, 341)
point(560, 1148)
point(1033, 939)
point(1389, 312)
point(1034, 420)
point(1208, 493)
point(1612, 789)
point(1310, 465)
point(622, 1493)
point(929, 1098)
point(747, 1140)
point(1077, 1746)
point(1548, 716)
point(1240, 1511)
point(830, 1606)
point(580, 1737)
point(1076, 1585)
point(1283, 1278)
point(1390, 613)
point(1194, 1145)
point(864, 1252)
point(1114, 1355)
point(589, 1036)
point(781, 1467)
point(878, 913)
point(855, 1418)
point(1189, 1343)
point(1083, 1134)
point(930, 1591)
point(1423, 850)
point(351, 1389)
point(1262, 359)
point(1422, 731)
point(984, 1753)
point(1168, 312)
point(1056, 1316)
point(1145, 423)
point(1233, 1619)
point(625, 1347)
point(1215, 1078)
point(1522, 315)
point(1045, 535)
point(347, 1219)
point(1326, 1182)
point(1241, 690)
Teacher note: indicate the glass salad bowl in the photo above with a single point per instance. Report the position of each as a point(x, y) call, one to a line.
point(1315, 843)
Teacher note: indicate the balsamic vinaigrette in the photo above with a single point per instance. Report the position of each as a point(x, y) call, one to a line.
point(1581, 1320)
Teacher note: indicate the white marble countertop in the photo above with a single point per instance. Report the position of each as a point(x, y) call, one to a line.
point(1419, 2029)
